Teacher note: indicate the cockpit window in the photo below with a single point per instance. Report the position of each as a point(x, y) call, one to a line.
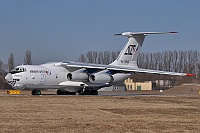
point(18, 70)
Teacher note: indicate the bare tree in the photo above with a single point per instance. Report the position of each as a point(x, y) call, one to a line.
point(82, 58)
point(3, 68)
point(114, 56)
point(106, 58)
point(27, 59)
point(11, 63)
point(100, 57)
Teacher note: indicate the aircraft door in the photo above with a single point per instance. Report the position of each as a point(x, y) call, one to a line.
point(43, 79)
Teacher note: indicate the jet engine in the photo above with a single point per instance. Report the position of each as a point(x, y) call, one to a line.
point(120, 76)
point(100, 78)
point(77, 76)
point(106, 78)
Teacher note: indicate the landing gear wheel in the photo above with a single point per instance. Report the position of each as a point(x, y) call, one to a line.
point(94, 92)
point(36, 92)
point(81, 92)
point(60, 92)
point(88, 92)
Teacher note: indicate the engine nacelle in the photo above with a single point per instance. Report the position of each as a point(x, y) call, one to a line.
point(100, 78)
point(106, 78)
point(77, 76)
point(120, 76)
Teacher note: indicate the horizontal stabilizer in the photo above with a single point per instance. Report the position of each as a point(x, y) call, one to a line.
point(142, 33)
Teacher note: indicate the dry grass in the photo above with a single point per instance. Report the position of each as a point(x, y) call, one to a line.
point(51, 113)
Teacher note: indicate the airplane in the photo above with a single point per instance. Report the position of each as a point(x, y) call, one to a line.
point(70, 78)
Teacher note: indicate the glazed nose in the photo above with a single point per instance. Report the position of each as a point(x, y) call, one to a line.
point(8, 77)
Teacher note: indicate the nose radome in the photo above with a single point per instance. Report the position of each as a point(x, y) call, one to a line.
point(8, 77)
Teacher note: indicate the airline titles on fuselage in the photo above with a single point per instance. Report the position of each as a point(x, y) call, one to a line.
point(41, 71)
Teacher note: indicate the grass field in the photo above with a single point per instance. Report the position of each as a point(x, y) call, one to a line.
point(51, 113)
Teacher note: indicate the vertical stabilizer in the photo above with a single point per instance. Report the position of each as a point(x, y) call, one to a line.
point(129, 54)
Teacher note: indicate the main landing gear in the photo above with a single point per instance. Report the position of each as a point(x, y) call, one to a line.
point(36, 92)
point(60, 92)
point(88, 92)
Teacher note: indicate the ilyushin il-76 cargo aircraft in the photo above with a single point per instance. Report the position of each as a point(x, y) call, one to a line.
point(69, 78)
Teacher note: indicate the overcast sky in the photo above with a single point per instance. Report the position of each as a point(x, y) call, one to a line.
point(61, 30)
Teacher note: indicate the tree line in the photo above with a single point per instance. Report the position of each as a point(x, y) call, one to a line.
point(100, 57)
point(174, 61)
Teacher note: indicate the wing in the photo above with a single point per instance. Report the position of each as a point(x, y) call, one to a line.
point(119, 68)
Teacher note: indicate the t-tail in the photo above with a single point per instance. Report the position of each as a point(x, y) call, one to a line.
point(129, 54)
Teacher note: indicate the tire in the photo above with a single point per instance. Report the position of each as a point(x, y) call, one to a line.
point(88, 92)
point(94, 92)
point(81, 92)
point(33, 92)
point(59, 92)
point(36, 92)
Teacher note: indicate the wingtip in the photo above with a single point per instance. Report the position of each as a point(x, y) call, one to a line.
point(117, 34)
point(173, 32)
point(189, 74)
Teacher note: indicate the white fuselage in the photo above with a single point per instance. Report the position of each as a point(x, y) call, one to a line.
point(35, 76)
point(45, 76)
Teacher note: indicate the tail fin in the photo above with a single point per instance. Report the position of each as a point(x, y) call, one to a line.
point(129, 54)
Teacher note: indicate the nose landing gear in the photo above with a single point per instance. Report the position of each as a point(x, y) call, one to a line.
point(36, 92)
